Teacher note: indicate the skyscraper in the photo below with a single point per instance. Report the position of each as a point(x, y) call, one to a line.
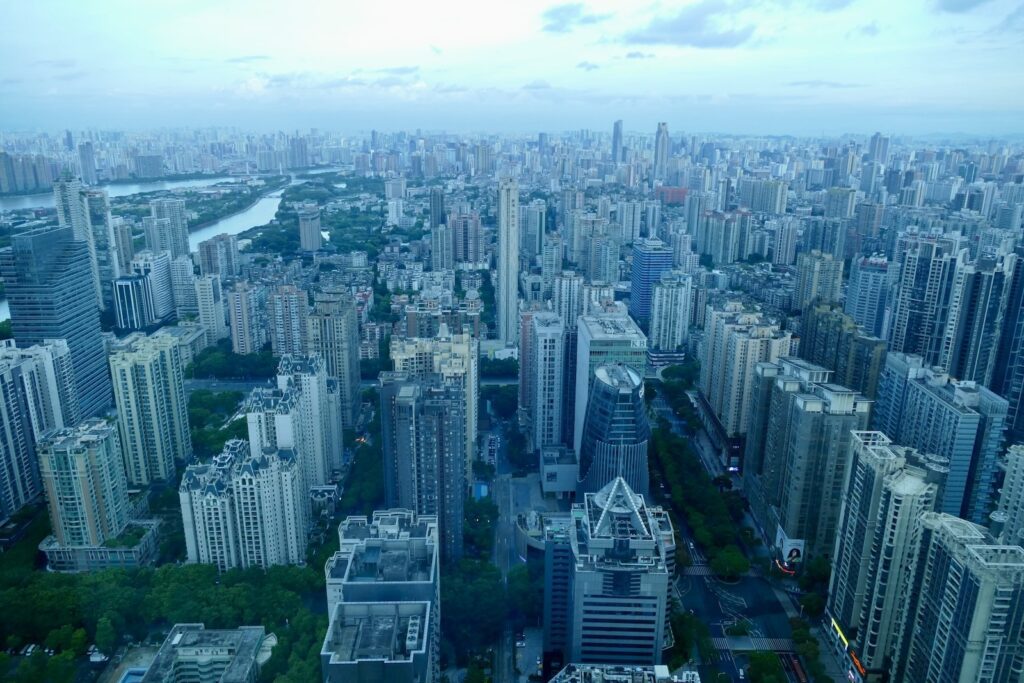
point(152, 410)
point(830, 338)
point(83, 476)
point(176, 236)
point(671, 306)
point(219, 256)
point(651, 258)
point(819, 276)
point(183, 288)
point(615, 431)
point(534, 228)
point(333, 332)
point(49, 287)
point(87, 163)
point(247, 304)
point(310, 238)
point(108, 267)
point(210, 300)
point(542, 371)
point(287, 318)
point(306, 378)
point(437, 212)
point(662, 146)
point(72, 212)
point(156, 266)
point(423, 425)
point(868, 292)
point(617, 142)
point(442, 248)
point(1008, 370)
point(467, 237)
point(507, 287)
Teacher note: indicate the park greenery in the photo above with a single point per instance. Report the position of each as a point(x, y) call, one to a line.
point(679, 379)
point(806, 645)
point(499, 368)
point(765, 667)
point(208, 415)
point(220, 362)
point(364, 486)
point(504, 399)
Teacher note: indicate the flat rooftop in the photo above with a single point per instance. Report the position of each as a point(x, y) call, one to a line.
point(236, 649)
point(609, 673)
point(391, 631)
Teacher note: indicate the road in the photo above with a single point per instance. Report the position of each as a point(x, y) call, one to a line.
point(245, 386)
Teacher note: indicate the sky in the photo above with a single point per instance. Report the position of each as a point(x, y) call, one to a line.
point(763, 67)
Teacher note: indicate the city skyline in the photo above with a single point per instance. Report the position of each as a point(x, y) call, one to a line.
point(784, 67)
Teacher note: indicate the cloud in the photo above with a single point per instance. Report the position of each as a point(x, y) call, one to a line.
point(71, 75)
point(635, 54)
point(246, 59)
point(564, 18)
point(56, 63)
point(705, 24)
point(814, 83)
point(398, 70)
point(958, 6)
point(537, 85)
point(830, 5)
point(871, 29)
point(587, 66)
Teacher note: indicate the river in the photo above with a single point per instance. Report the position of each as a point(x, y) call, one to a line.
point(45, 199)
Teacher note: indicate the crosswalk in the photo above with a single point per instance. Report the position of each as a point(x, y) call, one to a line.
point(756, 644)
point(698, 570)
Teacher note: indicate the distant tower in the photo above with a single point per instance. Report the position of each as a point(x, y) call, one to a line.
point(310, 238)
point(177, 235)
point(617, 142)
point(507, 290)
point(437, 212)
point(210, 301)
point(615, 431)
point(333, 332)
point(661, 151)
point(868, 292)
point(87, 162)
point(819, 276)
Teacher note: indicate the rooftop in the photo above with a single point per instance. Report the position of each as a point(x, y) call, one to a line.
point(236, 651)
point(615, 673)
point(390, 631)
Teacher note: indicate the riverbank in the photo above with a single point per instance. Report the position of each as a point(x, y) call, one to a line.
point(266, 192)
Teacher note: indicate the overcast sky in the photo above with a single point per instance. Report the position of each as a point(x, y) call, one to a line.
point(744, 66)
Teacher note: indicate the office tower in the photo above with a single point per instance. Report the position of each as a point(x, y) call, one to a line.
point(210, 301)
point(333, 332)
point(541, 372)
point(507, 289)
point(868, 292)
point(878, 149)
point(762, 195)
point(247, 304)
point(651, 258)
point(535, 226)
point(437, 212)
point(962, 422)
point(784, 245)
point(1008, 519)
point(306, 377)
point(670, 311)
point(219, 256)
point(797, 455)
point(736, 340)
point(423, 425)
point(156, 266)
point(108, 267)
point(819, 276)
point(83, 475)
point(287, 319)
point(183, 288)
point(615, 534)
point(960, 620)
point(37, 394)
point(124, 240)
point(630, 216)
point(87, 163)
point(244, 510)
point(566, 298)
point(453, 356)
point(50, 291)
point(839, 202)
point(152, 411)
point(385, 578)
point(1008, 371)
point(617, 142)
point(615, 431)
point(977, 309)
point(194, 654)
point(133, 302)
point(927, 268)
point(442, 248)
point(176, 234)
point(73, 212)
point(888, 489)
point(467, 237)
point(310, 238)
point(830, 338)
point(662, 145)
point(603, 339)
point(558, 567)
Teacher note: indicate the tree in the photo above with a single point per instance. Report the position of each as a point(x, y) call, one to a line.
point(813, 604)
point(106, 637)
point(474, 675)
point(765, 667)
point(729, 563)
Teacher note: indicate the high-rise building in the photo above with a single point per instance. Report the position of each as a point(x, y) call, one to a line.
point(210, 301)
point(176, 235)
point(617, 142)
point(839, 202)
point(437, 212)
point(651, 258)
point(149, 390)
point(133, 302)
point(603, 339)
point(541, 379)
point(247, 308)
point(868, 293)
point(219, 256)
point(244, 510)
point(1008, 519)
point(1008, 370)
point(566, 298)
point(423, 424)
point(183, 288)
point(306, 377)
point(671, 306)
point(310, 238)
point(762, 195)
point(615, 431)
point(156, 266)
point(467, 237)
point(830, 338)
point(50, 291)
point(963, 422)
point(87, 163)
point(384, 578)
point(453, 357)
point(83, 475)
point(73, 212)
point(333, 332)
point(630, 217)
point(889, 487)
point(442, 248)
point(37, 394)
point(662, 148)
point(507, 285)
point(784, 244)
point(878, 149)
point(819, 276)
point(797, 455)
point(104, 241)
point(287, 314)
point(616, 535)
point(534, 228)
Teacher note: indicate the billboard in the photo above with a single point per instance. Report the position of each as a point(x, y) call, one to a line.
point(791, 550)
